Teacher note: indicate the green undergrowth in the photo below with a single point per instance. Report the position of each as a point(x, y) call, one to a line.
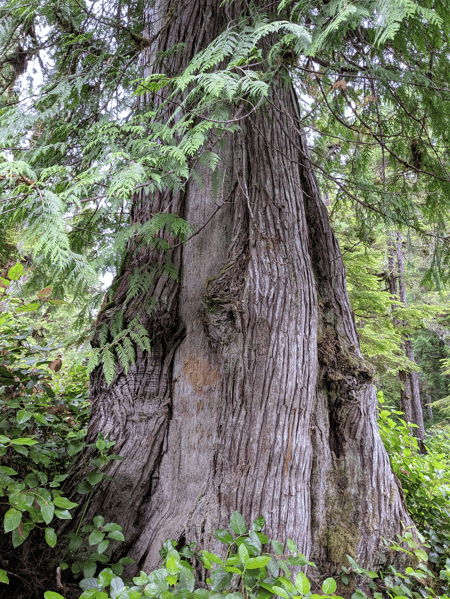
point(426, 484)
point(255, 567)
point(43, 418)
point(44, 409)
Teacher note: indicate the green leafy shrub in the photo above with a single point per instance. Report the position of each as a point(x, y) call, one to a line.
point(43, 417)
point(245, 571)
point(253, 567)
point(426, 483)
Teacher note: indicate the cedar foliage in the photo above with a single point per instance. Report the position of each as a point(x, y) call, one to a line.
point(77, 146)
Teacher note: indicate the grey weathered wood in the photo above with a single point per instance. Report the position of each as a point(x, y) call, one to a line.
point(255, 396)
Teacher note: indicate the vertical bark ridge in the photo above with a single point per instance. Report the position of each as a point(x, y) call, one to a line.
point(258, 314)
point(255, 396)
point(361, 500)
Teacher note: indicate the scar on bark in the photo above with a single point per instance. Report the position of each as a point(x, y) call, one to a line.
point(200, 373)
point(222, 304)
point(343, 372)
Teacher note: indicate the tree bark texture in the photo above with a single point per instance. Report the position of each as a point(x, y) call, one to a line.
point(255, 396)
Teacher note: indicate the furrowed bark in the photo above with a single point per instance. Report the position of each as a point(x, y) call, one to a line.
point(255, 396)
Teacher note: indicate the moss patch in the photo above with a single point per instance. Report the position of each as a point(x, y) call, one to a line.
point(340, 542)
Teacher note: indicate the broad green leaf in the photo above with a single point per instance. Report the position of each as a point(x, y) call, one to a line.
point(272, 567)
point(277, 548)
point(91, 583)
point(158, 578)
point(24, 441)
point(42, 477)
point(59, 478)
point(93, 594)
point(75, 542)
point(52, 595)
point(50, 537)
point(186, 580)
point(233, 569)
point(212, 557)
point(117, 568)
point(220, 579)
point(116, 584)
point(237, 523)
point(280, 592)
point(95, 477)
point(257, 562)
point(31, 307)
point(302, 583)
point(4, 576)
point(299, 560)
point(12, 519)
point(291, 546)
point(284, 567)
point(23, 416)
point(40, 418)
point(258, 524)
point(253, 543)
point(116, 535)
point(172, 565)
point(103, 546)
point(15, 272)
point(31, 480)
point(105, 577)
point(267, 586)
point(329, 586)
point(224, 536)
point(64, 503)
point(73, 448)
point(47, 510)
point(16, 538)
point(84, 487)
point(111, 526)
point(6, 470)
point(99, 521)
point(95, 537)
point(63, 514)
point(21, 501)
point(421, 554)
point(89, 570)
point(243, 553)
point(141, 579)
point(287, 584)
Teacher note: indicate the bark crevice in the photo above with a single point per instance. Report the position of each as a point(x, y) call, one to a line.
point(264, 405)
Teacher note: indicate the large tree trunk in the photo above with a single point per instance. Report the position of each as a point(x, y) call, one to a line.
point(255, 396)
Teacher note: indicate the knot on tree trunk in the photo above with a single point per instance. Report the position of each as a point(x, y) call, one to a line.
point(222, 304)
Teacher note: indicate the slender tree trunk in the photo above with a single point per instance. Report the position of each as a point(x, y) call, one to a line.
point(428, 405)
point(255, 396)
point(410, 398)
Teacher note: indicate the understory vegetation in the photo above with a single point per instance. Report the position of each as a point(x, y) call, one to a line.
point(44, 408)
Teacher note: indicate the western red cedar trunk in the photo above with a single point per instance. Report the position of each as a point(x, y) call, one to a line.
point(255, 396)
